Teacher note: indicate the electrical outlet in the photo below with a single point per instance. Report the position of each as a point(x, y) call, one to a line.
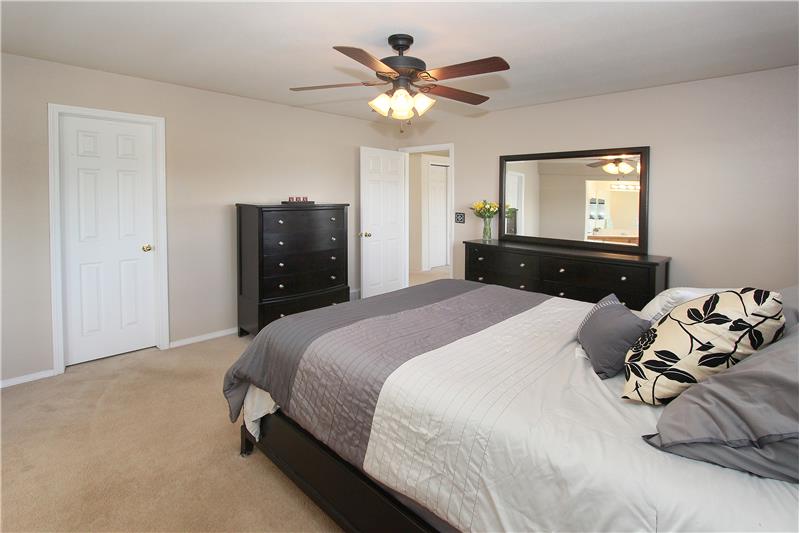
point(460, 218)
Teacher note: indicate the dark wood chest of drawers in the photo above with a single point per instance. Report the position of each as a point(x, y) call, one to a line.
point(569, 273)
point(291, 258)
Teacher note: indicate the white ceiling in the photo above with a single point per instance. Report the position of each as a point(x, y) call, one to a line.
point(557, 51)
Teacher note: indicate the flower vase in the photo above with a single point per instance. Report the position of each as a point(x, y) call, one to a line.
point(487, 229)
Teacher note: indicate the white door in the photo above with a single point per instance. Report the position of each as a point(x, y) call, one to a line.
point(107, 183)
point(434, 178)
point(384, 208)
point(515, 197)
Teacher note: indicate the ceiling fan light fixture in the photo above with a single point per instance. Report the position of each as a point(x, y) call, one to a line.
point(422, 103)
point(399, 115)
point(625, 167)
point(611, 168)
point(402, 103)
point(381, 104)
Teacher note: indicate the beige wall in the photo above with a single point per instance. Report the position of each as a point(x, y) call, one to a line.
point(220, 150)
point(415, 212)
point(724, 168)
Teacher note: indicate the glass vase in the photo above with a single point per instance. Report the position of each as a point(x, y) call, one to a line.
point(487, 229)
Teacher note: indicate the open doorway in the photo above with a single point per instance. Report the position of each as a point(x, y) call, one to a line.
point(430, 206)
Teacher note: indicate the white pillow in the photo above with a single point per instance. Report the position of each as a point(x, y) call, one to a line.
point(666, 300)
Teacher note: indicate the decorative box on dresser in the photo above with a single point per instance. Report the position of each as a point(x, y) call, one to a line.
point(291, 258)
point(578, 274)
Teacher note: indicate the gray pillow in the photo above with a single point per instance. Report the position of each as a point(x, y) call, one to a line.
point(744, 418)
point(790, 304)
point(607, 333)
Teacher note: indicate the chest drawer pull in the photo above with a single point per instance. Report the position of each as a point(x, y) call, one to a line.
point(282, 315)
point(280, 243)
point(480, 278)
point(333, 258)
point(562, 270)
point(333, 219)
point(623, 278)
point(333, 277)
point(480, 259)
point(334, 303)
point(522, 286)
point(522, 265)
point(280, 285)
point(333, 238)
point(281, 265)
point(561, 294)
point(280, 221)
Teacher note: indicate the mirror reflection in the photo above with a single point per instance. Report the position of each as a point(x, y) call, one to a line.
point(592, 199)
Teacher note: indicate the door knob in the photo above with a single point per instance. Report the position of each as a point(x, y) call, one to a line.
point(146, 248)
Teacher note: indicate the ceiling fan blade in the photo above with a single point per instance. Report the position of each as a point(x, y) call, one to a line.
point(337, 85)
point(470, 68)
point(367, 59)
point(453, 94)
point(597, 164)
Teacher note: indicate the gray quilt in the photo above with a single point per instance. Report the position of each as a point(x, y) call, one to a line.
point(325, 368)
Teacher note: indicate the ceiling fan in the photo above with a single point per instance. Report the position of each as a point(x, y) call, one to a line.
point(617, 164)
point(411, 79)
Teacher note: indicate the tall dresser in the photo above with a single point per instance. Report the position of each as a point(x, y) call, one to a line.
point(586, 275)
point(291, 258)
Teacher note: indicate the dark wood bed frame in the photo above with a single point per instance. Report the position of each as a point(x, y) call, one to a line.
point(350, 498)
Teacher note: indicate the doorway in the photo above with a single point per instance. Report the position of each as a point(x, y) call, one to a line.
point(430, 212)
point(108, 229)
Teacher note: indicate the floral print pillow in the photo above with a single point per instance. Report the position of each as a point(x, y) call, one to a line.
point(700, 338)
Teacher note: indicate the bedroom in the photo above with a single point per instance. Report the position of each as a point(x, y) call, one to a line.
point(703, 94)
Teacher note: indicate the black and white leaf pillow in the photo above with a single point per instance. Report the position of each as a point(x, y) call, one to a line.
point(700, 338)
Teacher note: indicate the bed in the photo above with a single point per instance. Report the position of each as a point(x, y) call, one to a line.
point(459, 405)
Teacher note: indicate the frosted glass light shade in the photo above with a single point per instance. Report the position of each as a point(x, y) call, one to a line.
point(402, 103)
point(402, 116)
point(381, 104)
point(625, 168)
point(611, 168)
point(422, 103)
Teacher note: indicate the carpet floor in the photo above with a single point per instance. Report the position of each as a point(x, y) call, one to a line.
point(140, 442)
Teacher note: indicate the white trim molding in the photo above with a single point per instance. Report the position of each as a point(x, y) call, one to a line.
point(201, 338)
point(55, 113)
point(10, 382)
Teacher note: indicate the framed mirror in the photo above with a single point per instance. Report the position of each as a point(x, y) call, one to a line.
point(595, 199)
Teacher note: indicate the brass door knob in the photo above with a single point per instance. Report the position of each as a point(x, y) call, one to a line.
point(146, 248)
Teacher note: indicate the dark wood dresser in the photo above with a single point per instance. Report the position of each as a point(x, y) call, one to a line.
point(291, 258)
point(585, 275)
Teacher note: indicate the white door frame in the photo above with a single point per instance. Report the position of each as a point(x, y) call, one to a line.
point(451, 150)
point(55, 113)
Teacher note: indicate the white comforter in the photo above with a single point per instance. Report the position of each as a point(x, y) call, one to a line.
point(508, 430)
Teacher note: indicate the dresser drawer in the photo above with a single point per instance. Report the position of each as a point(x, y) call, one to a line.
point(593, 294)
point(501, 261)
point(287, 285)
point(518, 281)
point(307, 241)
point(283, 264)
point(267, 312)
point(608, 276)
point(302, 220)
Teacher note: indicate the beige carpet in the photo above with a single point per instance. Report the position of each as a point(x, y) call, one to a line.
point(140, 442)
point(418, 278)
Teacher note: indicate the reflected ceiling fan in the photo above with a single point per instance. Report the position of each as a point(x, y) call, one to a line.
point(411, 79)
point(617, 164)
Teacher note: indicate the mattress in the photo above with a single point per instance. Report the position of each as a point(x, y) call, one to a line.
point(482, 413)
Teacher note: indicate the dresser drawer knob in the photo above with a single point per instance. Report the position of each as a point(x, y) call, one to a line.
point(282, 315)
point(333, 219)
point(480, 278)
point(280, 285)
point(281, 265)
point(562, 270)
point(480, 259)
point(561, 294)
point(522, 286)
point(522, 265)
point(623, 303)
point(333, 238)
point(280, 243)
point(333, 277)
point(333, 258)
point(334, 303)
point(280, 221)
point(623, 278)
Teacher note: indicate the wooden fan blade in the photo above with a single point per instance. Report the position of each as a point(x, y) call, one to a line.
point(597, 164)
point(454, 94)
point(367, 59)
point(470, 68)
point(337, 85)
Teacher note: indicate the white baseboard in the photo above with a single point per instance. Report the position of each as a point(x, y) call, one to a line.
point(201, 338)
point(27, 377)
point(355, 294)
